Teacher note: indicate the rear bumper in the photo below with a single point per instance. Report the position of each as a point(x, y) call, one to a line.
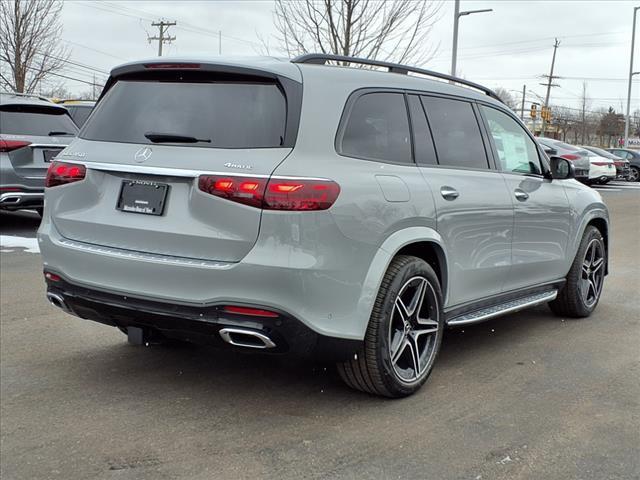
point(597, 172)
point(321, 287)
point(21, 200)
point(202, 324)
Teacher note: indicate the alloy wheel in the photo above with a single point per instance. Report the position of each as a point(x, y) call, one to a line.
point(592, 273)
point(414, 330)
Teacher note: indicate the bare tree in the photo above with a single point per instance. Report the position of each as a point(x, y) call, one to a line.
point(30, 46)
point(507, 97)
point(392, 30)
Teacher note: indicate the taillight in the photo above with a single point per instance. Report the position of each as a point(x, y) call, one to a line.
point(252, 312)
point(300, 194)
point(273, 194)
point(61, 173)
point(570, 156)
point(246, 190)
point(10, 145)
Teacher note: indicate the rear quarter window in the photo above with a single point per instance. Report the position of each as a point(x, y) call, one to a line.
point(377, 128)
point(231, 114)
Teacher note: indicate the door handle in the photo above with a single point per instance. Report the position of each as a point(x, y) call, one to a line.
point(449, 193)
point(521, 194)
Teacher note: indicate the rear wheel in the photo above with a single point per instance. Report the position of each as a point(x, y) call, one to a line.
point(404, 333)
point(581, 292)
point(634, 174)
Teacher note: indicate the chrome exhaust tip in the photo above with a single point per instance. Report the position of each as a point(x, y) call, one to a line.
point(246, 338)
point(58, 301)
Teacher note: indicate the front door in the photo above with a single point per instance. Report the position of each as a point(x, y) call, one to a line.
point(543, 217)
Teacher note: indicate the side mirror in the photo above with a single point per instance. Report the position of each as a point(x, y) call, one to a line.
point(550, 151)
point(561, 168)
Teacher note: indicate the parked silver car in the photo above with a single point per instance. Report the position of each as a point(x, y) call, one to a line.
point(298, 207)
point(33, 131)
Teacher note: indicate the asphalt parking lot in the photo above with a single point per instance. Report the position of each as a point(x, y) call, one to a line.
point(527, 396)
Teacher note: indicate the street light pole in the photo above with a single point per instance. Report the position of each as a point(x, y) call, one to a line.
point(626, 121)
point(456, 17)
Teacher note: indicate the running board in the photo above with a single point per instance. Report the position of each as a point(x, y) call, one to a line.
point(503, 308)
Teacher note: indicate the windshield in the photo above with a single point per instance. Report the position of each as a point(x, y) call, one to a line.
point(230, 114)
point(35, 120)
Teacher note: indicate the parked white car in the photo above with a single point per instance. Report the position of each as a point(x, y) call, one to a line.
point(601, 170)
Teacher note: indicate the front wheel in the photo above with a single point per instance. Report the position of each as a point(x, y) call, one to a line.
point(634, 174)
point(583, 287)
point(404, 334)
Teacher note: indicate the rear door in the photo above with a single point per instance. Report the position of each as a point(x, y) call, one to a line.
point(474, 209)
point(543, 217)
point(40, 132)
point(238, 126)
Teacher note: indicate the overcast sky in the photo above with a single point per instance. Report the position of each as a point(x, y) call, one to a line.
point(508, 47)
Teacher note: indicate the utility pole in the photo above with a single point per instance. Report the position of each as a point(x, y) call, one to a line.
point(93, 87)
point(219, 42)
point(524, 93)
point(161, 38)
point(631, 73)
point(549, 84)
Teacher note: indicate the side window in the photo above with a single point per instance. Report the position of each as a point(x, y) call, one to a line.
point(456, 133)
point(423, 149)
point(378, 129)
point(517, 152)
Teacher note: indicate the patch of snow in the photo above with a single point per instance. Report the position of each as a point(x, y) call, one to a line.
point(29, 244)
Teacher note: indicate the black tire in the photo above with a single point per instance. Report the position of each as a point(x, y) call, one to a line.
point(373, 369)
point(571, 300)
point(634, 174)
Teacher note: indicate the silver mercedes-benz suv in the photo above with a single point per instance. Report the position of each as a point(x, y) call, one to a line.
point(308, 208)
point(33, 130)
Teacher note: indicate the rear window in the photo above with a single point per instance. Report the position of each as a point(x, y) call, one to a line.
point(456, 133)
point(34, 120)
point(229, 114)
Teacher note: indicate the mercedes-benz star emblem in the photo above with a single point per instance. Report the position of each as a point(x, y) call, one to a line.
point(143, 154)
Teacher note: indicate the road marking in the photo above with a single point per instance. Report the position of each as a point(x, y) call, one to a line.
point(29, 244)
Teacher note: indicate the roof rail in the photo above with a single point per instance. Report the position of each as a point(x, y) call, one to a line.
point(321, 59)
point(30, 95)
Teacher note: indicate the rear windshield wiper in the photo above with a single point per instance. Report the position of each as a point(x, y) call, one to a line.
point(59, 133)
point(157, 137)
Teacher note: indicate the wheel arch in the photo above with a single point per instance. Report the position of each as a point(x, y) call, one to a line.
point(422, 242)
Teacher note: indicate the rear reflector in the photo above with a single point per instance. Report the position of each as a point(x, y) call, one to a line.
point(10, 189)
point(570, 156)
point(52, 277)
point(61, 173)
point(600, 164)
point(274, 194)
point(172, 66)
point(10, 145)
point(252, 312)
